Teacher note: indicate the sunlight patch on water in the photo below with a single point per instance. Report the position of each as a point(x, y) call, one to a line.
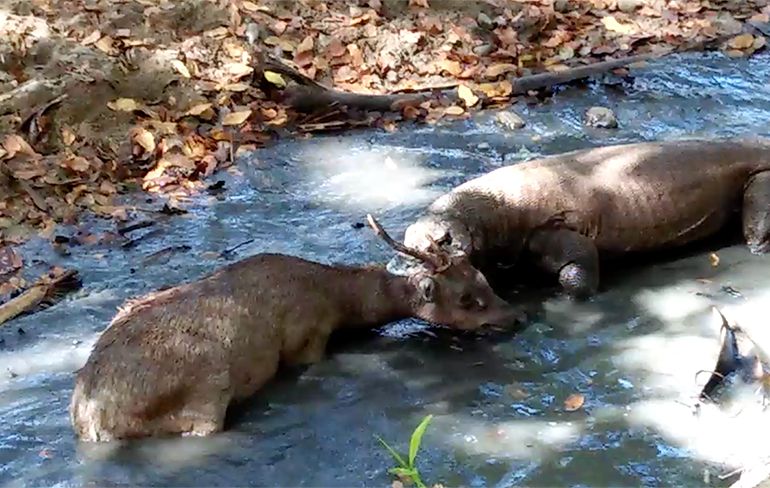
point(517, 439)
point(733, 433)
point(45, 356)
point(351, 176)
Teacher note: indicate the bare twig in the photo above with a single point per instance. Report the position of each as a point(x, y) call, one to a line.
point(438, 261)
point(228, 252)
point(135, 226)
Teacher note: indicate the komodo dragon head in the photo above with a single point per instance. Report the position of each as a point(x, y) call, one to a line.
point(448, 233)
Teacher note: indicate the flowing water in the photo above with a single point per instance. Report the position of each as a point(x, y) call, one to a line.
point(498, 399)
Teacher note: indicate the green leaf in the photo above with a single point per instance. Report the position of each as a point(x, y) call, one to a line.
point(393, 453)
point(414, 443)
point(274, 78)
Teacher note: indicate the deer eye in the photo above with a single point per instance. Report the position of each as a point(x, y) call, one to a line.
point(467, 301)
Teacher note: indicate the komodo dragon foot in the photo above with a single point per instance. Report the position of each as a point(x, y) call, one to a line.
point(571, 255)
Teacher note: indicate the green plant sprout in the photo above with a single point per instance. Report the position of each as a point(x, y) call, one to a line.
point(404, 469)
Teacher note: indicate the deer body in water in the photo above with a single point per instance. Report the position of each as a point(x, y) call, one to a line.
point(171, 362)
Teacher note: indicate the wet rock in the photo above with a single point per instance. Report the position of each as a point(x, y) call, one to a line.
point(561, 6)
point(510, 120)
point(483, 50)
point(216, 188)
point(484, 21)
point(601, 118)
point(253, 33)
point(629, 6)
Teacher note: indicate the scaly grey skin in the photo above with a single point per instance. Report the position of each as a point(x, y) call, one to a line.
point(569, 209)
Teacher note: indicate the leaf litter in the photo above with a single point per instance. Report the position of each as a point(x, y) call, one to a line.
point(98, 99)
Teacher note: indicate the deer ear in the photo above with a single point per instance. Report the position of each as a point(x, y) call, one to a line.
point(427, 289)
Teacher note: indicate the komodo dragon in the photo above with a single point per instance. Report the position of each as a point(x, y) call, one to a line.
point(569, 209)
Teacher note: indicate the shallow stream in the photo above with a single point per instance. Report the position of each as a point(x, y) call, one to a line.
point(498, 399)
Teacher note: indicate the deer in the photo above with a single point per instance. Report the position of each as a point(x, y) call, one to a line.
point(171, 362)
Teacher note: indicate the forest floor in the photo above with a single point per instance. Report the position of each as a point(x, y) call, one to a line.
point(99, 97)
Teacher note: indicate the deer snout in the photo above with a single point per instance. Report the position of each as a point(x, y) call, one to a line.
point(503, 315)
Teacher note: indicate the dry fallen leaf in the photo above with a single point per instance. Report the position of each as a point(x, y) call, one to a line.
point(124, 105)
point(467, 95)
point(238, 69)
point(180, 67)
point(144, 138)
point(419, 3)
point(91, 38)
point(714, 259)
point(500, 89)
point(454, 110)
point(76, 163)
point(216, 33)
point(107, 188)
point(574, 402)
point(499, 69)
point(279, 27)
point(305, 45)
point(612, 24)
point(10, 260)
point(284, 44)
point(198, 109)
point(743, 41)
point(236, 87)
point(452, 67)
point(249, 6)
point(105, 44)
point(275, 79)
point(14, 143)
point(236, 118)
point(67, 136)
point(335, 49)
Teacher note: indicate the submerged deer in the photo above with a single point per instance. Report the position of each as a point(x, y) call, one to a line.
point(172, 361)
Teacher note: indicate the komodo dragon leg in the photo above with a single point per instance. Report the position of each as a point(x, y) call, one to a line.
point(569, 254)
point(756, 213)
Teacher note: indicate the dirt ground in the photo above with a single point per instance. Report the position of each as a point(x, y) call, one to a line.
point(100, 97)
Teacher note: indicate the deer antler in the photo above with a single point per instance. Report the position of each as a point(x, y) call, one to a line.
point(439, 261)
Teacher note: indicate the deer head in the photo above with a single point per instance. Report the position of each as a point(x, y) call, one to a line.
point(448, 290)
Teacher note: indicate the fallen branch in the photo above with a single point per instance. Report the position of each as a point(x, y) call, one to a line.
point(541, 81)
point(50, 286)
point(310, 96)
